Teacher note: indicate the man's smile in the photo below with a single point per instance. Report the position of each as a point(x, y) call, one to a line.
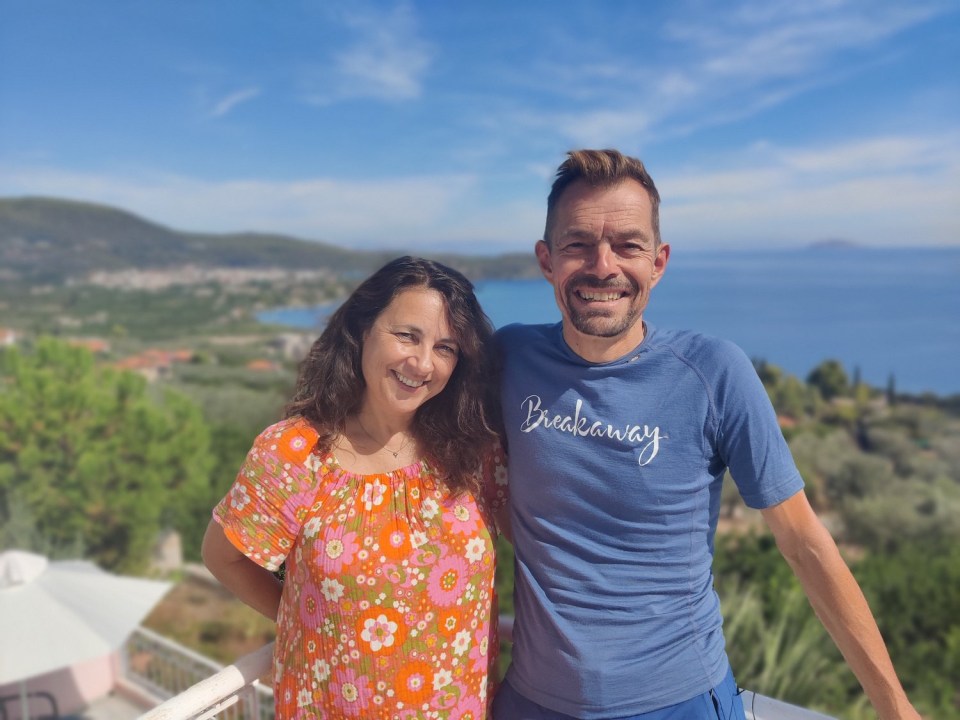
point(600, 295)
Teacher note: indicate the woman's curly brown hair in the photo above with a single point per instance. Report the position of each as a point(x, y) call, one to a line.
point(457, 428)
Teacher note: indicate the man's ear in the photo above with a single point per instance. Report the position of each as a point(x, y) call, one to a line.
point(544, 260)
point(660, 262)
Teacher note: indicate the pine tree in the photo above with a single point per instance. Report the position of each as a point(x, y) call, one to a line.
point(93, 457)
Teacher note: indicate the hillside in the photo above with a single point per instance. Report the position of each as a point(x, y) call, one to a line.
point(49, 240)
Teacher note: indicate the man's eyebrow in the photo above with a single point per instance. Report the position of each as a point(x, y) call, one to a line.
point(578, 233)
point(634, 234)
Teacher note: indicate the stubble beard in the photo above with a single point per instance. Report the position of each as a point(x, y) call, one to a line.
point(600, 322)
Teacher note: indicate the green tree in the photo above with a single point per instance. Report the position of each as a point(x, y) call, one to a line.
point(830, 379)
point(770, 375)
point(792, 398)
point(93, 457)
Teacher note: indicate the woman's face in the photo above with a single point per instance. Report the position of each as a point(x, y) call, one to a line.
point(408, 354)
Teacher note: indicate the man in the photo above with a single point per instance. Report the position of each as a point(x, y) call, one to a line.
point(619, 435)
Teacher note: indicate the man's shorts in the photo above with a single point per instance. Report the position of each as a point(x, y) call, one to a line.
point(721, 703)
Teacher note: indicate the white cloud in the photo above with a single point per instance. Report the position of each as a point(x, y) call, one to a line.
point(231, 101)
point(726, 63)
point(875, 155)
point(765, 40)
point(885, 190)
point(407, 211)
point(386, 61)
point(604, 127)
point(881, 191)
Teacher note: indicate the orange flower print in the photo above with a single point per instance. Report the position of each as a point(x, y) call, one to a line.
point(295, 447)
point(394, 541)
point(413, 684)
point(387, 610)
point(449, 621)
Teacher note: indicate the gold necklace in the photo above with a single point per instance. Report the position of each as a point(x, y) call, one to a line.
point(366, 432)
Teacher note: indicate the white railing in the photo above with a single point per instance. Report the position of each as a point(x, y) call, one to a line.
point(761, 707)
point(194, 686)
point(235, 690)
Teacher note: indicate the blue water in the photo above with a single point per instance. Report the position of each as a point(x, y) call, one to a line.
point(882, 311)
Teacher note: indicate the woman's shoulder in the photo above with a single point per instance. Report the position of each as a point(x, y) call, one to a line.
point(292, 439)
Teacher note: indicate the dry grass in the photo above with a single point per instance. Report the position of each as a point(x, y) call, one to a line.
point(205, 617)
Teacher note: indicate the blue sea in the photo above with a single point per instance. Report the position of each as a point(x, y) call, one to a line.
point(884, 312)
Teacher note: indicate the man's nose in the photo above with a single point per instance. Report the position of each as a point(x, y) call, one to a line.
point(603, 260)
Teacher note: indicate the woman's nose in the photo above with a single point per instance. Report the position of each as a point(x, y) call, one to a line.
point(423, 358)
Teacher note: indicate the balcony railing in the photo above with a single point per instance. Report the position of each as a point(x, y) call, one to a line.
point(201, 689)
point(195, 686)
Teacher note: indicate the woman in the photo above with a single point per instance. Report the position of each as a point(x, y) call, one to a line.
point(377, 492)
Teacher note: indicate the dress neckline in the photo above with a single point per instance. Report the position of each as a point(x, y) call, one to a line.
point(418, 467)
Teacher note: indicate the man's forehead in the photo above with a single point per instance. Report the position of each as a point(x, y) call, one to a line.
point(588, 219)
point(616, 231)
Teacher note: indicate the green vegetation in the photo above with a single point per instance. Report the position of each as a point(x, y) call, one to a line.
point(49, 241)
point(90, 460)
point(95, 460)
point(779, 648)
point(885, 477)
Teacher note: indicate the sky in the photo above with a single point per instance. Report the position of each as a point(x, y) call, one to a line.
point(429, 125)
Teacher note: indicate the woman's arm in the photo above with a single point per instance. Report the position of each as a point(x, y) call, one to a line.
point(256, 586)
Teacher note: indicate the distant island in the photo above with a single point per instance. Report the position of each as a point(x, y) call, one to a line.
point(835, 244)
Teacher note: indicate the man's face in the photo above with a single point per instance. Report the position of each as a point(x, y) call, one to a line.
point(602, 263)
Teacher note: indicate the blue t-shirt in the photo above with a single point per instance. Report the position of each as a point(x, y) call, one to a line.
point(615, 472)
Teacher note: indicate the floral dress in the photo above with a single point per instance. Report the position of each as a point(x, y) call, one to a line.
point(388, 607)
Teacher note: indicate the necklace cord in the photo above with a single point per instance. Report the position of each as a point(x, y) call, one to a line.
point(366, 432)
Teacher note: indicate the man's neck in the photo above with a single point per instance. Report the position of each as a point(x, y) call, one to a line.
point(595, 349)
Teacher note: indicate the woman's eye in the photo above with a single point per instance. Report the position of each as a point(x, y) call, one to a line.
point(447, 350)
point(405, 336)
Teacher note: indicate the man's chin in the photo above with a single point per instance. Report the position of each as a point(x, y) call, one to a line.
point(601, 326)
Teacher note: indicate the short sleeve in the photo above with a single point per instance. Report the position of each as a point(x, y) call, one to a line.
point(751, 442)
point(265, 507)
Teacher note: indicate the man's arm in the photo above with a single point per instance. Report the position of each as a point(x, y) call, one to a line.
point(839, 602)
point(256, 586)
